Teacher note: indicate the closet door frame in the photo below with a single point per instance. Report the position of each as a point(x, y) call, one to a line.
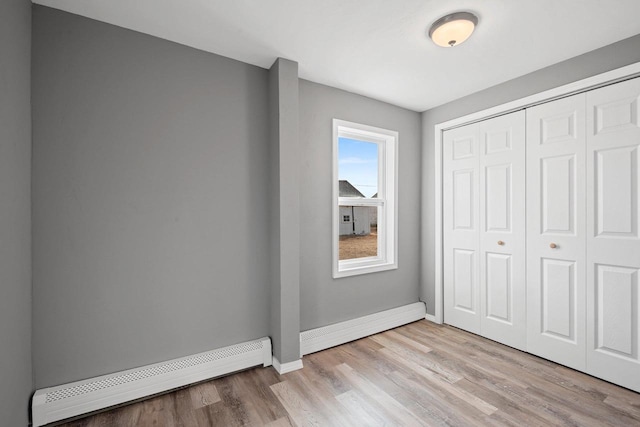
point(600, 80)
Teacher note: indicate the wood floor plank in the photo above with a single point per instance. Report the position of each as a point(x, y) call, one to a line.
point(419, 374)
point(254, 386)
point(157, 411)
point(436, 395)
point(366, 387)
point(580, 410)
point(629, 407)
point(432, 405)
point(322, 398)
point(445, 386)
point(406, 354)
point(594, 386)
point(216, 415)
point(299, 410)
point(183, 407)
point(234, 397)
point(406, 341)
point(355, 403)
point(280, 422)
point(322, 364)
point(540, 377)
point(385, 380)
point(203, 394)
point(419, 400)
point(509, 411)
point(460, 354)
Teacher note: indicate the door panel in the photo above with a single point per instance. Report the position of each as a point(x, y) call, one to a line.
point(463, 199)
point(498, 141)
point(618, 115)
point(613, 244)
point(559, 299)
point(464, 147)
point(616, 192)
point(502, 237)
point(616, 303)
point(499, 287)
point(559, 127)
point(498, 198)
point(558, 198)
point(464, 280)
point(460, 211)
point(556, 283)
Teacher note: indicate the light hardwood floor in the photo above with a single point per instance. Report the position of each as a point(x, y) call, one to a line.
point(420, 374)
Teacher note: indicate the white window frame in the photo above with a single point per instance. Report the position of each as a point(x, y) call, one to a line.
point(387, 257)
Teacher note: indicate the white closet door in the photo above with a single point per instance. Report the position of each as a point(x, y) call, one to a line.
point(484, 222)
point(613, 240)
point(502, 229)
point(460, 222)
point(556, 285)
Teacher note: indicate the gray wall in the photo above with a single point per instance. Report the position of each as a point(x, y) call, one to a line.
point(150, 199)
point(592, 63)
point(15, 212)
point(275, 314)
point(285, 202)
point(324, 300)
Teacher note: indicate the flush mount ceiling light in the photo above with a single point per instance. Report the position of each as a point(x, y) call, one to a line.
point(453, 29)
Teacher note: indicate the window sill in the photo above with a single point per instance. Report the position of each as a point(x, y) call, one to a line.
point(351, 268)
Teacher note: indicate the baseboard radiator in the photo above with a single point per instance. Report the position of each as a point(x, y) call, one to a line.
point(82, 397)
point(339, 333)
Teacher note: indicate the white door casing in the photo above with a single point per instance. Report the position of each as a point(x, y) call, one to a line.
point(613, 227)
point(556, 284)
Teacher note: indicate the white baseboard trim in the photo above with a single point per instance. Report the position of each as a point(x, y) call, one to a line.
point(431, 318)
point(81, 397)
point(284, 368)
point(339, 333)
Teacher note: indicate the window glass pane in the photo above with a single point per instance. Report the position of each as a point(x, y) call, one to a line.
point(358, 232)
point(358, 177)
point(358, 165)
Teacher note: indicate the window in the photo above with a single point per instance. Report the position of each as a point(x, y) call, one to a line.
point(364, 199)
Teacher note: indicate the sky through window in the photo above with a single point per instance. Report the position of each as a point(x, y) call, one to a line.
point(358, 164)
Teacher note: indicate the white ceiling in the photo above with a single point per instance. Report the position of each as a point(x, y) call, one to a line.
point(378, 48)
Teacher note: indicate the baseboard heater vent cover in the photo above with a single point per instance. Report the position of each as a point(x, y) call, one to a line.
point(339, 333)
point(81, 397)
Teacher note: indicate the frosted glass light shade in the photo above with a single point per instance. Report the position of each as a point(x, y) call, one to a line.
point(453, 29)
